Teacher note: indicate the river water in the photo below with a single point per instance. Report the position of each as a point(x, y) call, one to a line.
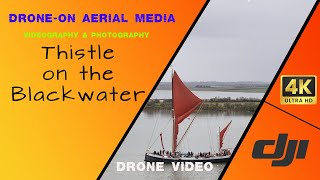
point(202, 137)
point(167, 94)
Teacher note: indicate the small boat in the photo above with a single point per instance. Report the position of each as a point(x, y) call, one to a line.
point(184, 103)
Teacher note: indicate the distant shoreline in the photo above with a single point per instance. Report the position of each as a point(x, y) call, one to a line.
point(214, 104)
point(224, 89)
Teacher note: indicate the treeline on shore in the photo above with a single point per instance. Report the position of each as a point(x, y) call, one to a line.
point(213, 104)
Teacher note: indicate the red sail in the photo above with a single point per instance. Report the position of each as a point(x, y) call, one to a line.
point(222, 132)
point(184, 103)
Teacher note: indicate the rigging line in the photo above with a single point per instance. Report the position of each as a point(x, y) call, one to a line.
point(188, 146)
point(209, 135)
point(213, 149)
point(211, 138)
point(190, 125)
point(160, 132)
point(186, 143)
point(154, 127)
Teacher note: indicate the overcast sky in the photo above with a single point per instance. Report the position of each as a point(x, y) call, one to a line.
point(241, 40)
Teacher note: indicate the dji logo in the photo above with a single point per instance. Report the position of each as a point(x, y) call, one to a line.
point(279, 151)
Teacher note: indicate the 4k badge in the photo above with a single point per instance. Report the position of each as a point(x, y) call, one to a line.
point(298, 89)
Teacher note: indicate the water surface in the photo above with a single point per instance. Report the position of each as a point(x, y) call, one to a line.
point(167, 94)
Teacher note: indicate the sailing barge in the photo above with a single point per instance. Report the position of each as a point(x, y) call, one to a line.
point(184, 103)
